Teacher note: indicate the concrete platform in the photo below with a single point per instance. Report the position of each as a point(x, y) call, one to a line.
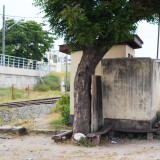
point(18, 130)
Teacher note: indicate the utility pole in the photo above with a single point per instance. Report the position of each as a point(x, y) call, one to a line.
point(3, 38)
point(158, 39)
point(66, 72)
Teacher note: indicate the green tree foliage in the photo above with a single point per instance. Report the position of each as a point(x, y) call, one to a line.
point(96, 22)
point(94, 26)
point(27, 39)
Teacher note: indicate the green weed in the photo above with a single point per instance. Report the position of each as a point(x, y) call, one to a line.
point(63, 107)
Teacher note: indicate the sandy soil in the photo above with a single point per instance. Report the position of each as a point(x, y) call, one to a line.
point(41, 147)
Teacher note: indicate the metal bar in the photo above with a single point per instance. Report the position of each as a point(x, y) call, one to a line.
point(8, 60)
point(18, 62)
point(36, 66)
point(23, 62)
point(12, 61)
point(66, 72)
point(32, 64)
point(158, 40)
point(3, 38)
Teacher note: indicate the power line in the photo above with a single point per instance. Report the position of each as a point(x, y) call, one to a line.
point(20, 16)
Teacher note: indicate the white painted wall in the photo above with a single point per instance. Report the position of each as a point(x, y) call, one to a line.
point(75, 59)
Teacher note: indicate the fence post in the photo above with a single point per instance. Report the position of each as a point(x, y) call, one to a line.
point(12, 91)
point(36, 66)
point(28, 91)
point(13, 61)
point(18, 62)
point(8, 61)
point(23, 63)
point(32, 64)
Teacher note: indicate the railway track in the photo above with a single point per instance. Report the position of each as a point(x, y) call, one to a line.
point(30, 102)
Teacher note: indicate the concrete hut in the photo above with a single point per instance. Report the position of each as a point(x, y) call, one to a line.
point(129, 87)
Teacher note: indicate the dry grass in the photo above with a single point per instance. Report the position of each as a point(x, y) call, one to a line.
point(41, 123)
point(20, 95)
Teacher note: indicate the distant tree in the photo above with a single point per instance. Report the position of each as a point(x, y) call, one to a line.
point(26, 39)
point(94, 26)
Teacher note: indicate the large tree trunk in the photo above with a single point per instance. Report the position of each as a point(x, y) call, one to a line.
point(82, 86)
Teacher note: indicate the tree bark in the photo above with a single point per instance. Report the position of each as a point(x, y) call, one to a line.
point(82, 86)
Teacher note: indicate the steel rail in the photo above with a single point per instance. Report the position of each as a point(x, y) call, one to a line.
point(30, 102)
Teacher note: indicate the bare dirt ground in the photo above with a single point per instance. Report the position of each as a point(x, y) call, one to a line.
point(41, 147)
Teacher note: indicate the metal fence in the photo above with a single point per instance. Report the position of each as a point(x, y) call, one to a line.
point(17, 62)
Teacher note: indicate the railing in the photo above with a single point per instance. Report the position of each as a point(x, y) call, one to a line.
point(17, 62)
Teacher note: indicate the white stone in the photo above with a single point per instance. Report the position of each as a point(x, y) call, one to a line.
point(78, 136)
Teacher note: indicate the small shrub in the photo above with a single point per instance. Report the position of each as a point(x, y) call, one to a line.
point(63, 107)
point(85, 143)
point(52, 81)
point(65, 114)
point(48, 82)
point(64, 100)
point(41, 88)
point(158, 116)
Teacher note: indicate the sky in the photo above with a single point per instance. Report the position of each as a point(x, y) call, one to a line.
point(24, 8)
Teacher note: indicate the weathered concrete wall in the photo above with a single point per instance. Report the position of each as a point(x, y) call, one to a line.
point(21, 78)
point(115, 52)
point(129, 90)
point(155, 87)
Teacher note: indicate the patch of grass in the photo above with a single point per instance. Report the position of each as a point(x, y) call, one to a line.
point(63, 75)
point(48, 94)
point(41, 87)
point(21, 122)
point(58, 125)
point(22, 94)
point(57, 122)
point(49, 82)
point(84, 142)
point(6, 94)
point(5, 109)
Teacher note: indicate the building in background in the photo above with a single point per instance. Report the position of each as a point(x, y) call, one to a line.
point(57, 61)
